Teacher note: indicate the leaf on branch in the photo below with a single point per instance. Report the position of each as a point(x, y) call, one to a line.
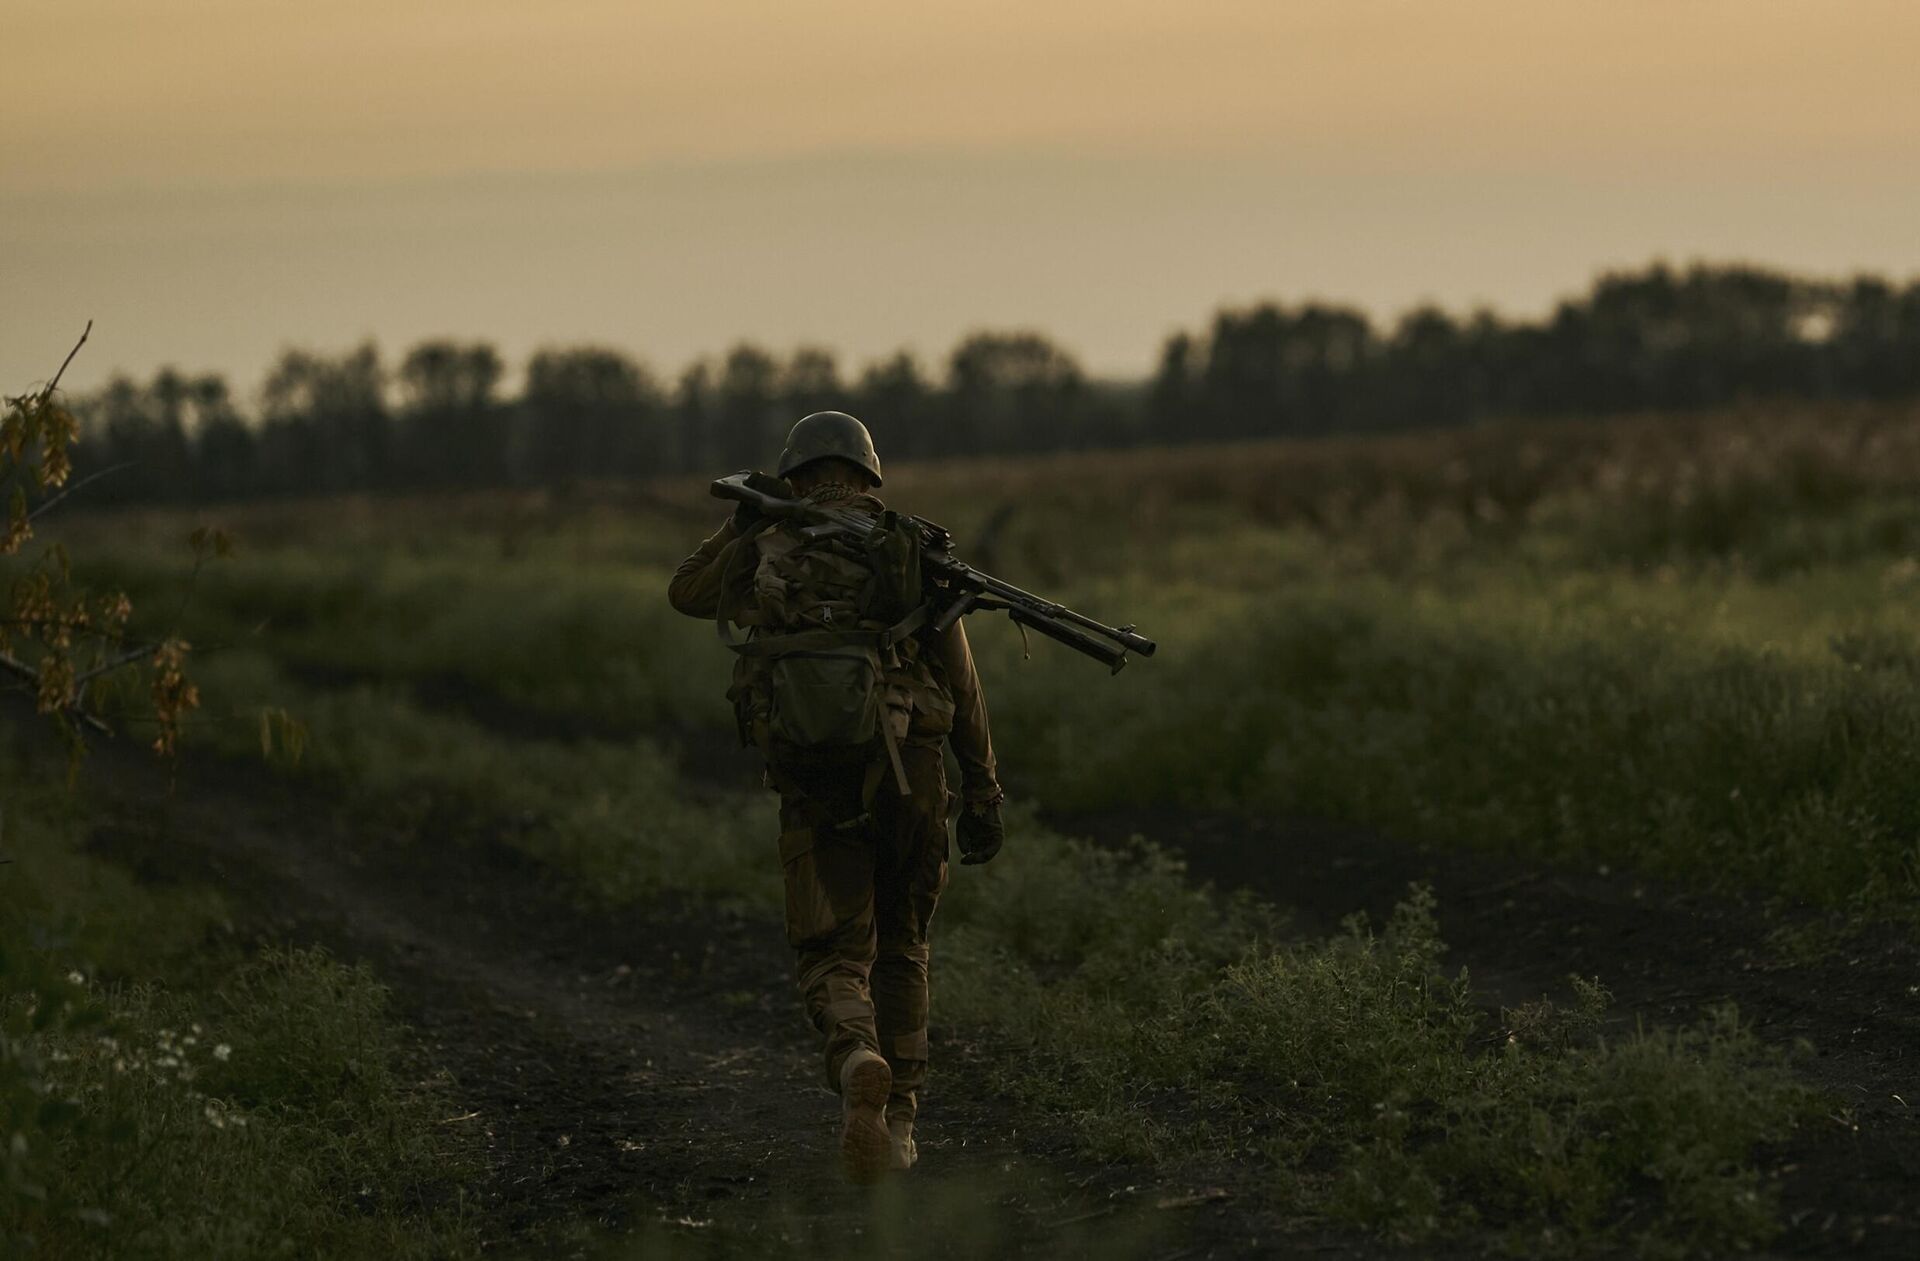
point(54, 689)
point(76, 642)
point(172, 694)
point(115, 611)
point(59, 429)
point(19, 524)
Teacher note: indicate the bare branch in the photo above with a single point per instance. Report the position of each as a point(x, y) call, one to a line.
point(90, 478)
point(91, 720)
point(128, 657)
point(13, 665)
point(55, 383)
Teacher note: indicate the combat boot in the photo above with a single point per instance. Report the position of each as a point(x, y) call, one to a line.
point(905, 1152)
point(866, 1148)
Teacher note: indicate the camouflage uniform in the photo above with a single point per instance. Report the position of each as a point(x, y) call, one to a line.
point(865, 864)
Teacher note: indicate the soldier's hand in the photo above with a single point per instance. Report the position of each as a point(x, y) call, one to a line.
point(746, 513)
point(980, 832)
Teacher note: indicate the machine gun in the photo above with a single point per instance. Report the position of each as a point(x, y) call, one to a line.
point(959, 588)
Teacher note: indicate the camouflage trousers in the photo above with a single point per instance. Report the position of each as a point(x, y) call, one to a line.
point(862, 882)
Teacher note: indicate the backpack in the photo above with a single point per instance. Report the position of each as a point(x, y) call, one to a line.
point(831, 672)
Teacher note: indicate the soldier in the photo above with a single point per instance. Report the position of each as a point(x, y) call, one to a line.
point(863, 840)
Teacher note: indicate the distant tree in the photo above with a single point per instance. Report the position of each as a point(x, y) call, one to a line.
point(1427, 375)
point(898, 404)
point(748, 411)
point(1271, 371)
point(224, 446)
point(1329, 360)
point(325, 425)
point(1653, 338)
point(1014, 391)
point(443, 376)
point(454, 432)
point(810, 382)
point(1657, 338)
point(144, 429)
point(1243, 389)
point(1874, 340)
point(696, 443)
point(1173, 400)
point(590, 412)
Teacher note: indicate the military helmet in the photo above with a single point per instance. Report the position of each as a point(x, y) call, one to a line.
point(825, 434)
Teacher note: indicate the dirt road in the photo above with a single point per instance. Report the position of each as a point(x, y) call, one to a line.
point(645, 1075)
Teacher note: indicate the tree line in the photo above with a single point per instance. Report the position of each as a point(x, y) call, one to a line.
point(1653, 339)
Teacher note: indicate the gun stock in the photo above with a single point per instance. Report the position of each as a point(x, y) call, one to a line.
point(734, 486)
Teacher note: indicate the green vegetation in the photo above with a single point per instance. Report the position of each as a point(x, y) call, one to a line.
point(1676, 647)
point(1590, 721)
point(1362, 1074)
point(163, 1091)
point(1194, 1029)
point(613, 819)
point(168, 1092)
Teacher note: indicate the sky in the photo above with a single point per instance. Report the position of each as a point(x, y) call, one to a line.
point(212, 181)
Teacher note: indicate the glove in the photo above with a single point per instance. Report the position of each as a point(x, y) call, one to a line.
point(745, 514)
point(980, 832)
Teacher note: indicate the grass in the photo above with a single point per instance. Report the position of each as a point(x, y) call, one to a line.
point(168, 1092)
point(1587, 723)
point(1709, 726)
point(1363, 1076)
point(1163, 1023)
point(264, 1118)
point(1677, 645)
point(612, 817)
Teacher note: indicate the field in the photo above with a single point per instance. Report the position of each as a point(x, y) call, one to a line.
point(1513, 846)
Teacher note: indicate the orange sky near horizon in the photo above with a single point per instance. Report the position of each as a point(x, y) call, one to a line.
point(109, 107)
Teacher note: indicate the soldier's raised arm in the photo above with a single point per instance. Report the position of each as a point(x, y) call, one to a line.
point(695, 589)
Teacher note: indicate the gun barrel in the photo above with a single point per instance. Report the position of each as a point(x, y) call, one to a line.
point(1111, 654)
point(1121, 635)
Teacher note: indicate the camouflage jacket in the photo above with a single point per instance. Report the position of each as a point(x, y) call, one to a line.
point(696, 590)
